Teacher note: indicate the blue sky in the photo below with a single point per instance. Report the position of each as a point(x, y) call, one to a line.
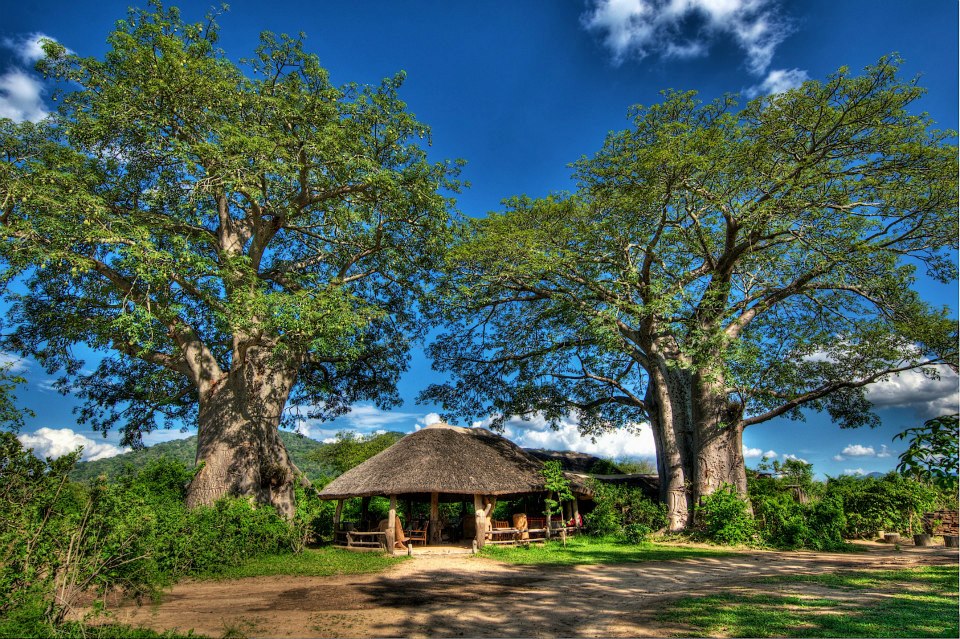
point(520, 90)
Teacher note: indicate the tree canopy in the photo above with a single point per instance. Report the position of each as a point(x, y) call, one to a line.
point(717, 266)
point(179, 207)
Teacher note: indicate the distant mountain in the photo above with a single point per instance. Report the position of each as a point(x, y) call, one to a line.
point(185, 451)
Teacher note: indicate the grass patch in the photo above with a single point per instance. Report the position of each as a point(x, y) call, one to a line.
point(320, 562)
point(920, 602)
point(586, 550)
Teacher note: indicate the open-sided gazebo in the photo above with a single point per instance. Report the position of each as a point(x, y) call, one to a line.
point(449, 463)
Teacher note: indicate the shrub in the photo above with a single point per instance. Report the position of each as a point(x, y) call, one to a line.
point(636, 533)
point(722, 517)
point(618, 506)
point(892, 503)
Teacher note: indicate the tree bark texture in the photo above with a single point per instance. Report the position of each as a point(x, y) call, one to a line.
point(698, 435)
point(238, 443)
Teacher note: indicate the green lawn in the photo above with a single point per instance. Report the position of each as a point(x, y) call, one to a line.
point(319, 562)
point(591, 550)
point(919, 602)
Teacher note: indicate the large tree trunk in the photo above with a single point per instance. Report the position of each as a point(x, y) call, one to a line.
point(718, 441)
point(668, 401)
point(238, 442)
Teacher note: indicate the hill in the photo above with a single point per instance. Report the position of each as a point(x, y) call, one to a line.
point(185, 451)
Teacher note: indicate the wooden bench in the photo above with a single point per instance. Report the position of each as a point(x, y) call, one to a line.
point(357, 540)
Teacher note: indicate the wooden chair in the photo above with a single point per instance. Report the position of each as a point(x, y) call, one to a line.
point(417, 532)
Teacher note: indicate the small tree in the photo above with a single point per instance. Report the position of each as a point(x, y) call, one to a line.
point(557, 486)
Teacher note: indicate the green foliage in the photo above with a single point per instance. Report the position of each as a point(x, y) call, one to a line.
point(722, 517)
point(11, 416)
point(933, 451)
point(783, 522)
point(59, 540)
point(63, 541)
point(892, 503)
point(635, 466)
point(350, 449)
point(557, 485)
point(623, 511)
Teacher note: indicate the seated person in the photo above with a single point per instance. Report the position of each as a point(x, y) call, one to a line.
point(399, 536)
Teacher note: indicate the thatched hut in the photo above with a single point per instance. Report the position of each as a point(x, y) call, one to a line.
point(446, 463)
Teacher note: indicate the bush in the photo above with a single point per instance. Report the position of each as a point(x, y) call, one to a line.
point(722, 517)
point(618, 507)
point(636, 533)
point(892, 503)
point(60, 540)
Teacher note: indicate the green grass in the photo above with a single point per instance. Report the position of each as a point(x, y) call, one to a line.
point(920, 602)
point(586, 550)
point(320, 562)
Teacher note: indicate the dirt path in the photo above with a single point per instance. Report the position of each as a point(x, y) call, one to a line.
point(467, 596)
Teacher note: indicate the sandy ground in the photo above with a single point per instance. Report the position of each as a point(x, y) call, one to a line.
point(449, 596)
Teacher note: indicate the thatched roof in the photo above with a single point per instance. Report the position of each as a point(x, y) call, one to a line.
point(443, 459)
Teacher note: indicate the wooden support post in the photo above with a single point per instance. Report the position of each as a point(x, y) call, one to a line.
point(480, 520)
point(576, 513)
point(549, 515)
point(433, 533)
point(364, 511)
point(336, 515)
point(391, 526)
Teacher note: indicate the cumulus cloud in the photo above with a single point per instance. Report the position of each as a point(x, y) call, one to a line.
point(912, 389)
point(858, 450)
point(13, 363)
point(794, 457)
point(56, 442)
point(778, 81)
point(428, 419)
point(635, 441)
point(754, 453)
point(687, 28)
point(854, 471)
point(21, 97)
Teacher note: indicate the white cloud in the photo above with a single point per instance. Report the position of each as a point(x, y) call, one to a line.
point(778, 81)
point(755, 453)
point(854, 471)
point(13, 363)
point(912, 389)
point(56, 442)
point(794, 457)
point(20, 97)
point(635, 441)
point(27, 48)
point(638, 28)
point(426, 420)
point(856, 450)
